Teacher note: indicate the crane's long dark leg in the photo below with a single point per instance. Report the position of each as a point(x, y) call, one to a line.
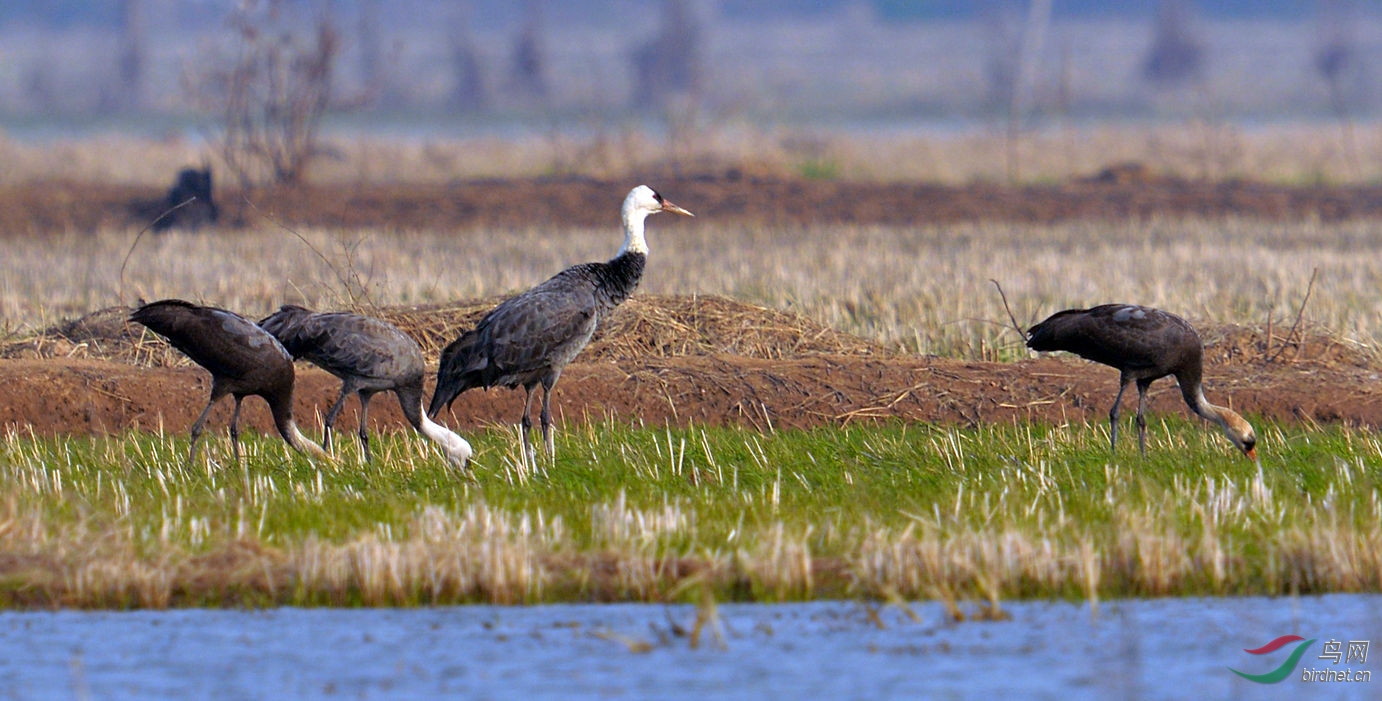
point(528, 423)
point(1142, 386)
point(200, 424)
point(330, 420)
point(1113, 413)
point(364, 422)
point(547, 420)
point(235, 428)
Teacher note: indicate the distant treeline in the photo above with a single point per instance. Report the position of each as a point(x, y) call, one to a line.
point(1061, 9)
point(69, 13)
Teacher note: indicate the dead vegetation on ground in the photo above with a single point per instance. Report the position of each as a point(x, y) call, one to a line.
point(661, 327)
point(647, 326)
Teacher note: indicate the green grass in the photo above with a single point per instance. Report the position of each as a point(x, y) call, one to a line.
point(630, 513)
point(819, 169)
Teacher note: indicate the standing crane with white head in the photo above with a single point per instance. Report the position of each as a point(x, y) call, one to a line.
point(242, 358)
point(370, 356)
point(528, 339)
point(1144, 345)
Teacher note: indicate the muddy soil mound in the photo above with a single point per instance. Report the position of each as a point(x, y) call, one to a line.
point(82, 396)
point(646, 326)
point(1232, 344)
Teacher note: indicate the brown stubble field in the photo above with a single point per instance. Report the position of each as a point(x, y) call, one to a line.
point(876, 294)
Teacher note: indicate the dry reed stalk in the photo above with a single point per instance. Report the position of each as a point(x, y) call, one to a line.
point(485, 555)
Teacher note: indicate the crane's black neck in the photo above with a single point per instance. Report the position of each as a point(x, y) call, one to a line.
point(618, 278)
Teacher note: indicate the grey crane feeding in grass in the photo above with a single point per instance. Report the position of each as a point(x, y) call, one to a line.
point(242, 358)
point(370, 356)
point(1144, 345)
point(528, 339)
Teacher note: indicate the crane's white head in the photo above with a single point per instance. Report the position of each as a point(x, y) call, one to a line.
point(641, 202)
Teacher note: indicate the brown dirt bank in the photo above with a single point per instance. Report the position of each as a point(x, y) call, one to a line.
point(729, 196)
point(62, 396)
point(682, 360)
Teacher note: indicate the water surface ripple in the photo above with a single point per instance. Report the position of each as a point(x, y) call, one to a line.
point(1148, 649)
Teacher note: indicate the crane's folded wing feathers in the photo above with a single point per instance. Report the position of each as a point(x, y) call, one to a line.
point(363, 346)
point(182, 324)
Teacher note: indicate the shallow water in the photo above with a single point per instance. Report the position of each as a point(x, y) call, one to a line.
point(1164, 648)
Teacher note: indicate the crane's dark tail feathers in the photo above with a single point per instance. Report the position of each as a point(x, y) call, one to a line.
point(1041, 338)
point(165, 317)
point(1049, 335)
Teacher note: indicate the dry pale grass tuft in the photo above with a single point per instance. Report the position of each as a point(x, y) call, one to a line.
point(1147, 554)
point(1193, 150)
point(657, 326)
point(647, 326)
point(478, 555)
point(665, 326)
point(924, 289)
point(486, 555)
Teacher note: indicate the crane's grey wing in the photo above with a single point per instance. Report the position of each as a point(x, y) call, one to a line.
point(545, 326)
point(286, 325)
point(523, 339)
point(351, 344)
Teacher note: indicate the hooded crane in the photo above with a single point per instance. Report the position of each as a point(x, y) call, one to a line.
point(1144, 345)
point(528, 339)
point(242, 358)
point(370, 356)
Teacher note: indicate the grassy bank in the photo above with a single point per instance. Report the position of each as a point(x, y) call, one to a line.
point(641, 514)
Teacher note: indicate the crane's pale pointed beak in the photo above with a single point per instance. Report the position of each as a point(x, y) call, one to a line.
point(669, 207)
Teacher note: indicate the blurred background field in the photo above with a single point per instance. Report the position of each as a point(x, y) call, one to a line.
point(128, 91)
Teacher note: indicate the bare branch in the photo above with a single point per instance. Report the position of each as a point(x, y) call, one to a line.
point(271, 94)
point(1009, 310)
point(1299, 313)
point(120, 289)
